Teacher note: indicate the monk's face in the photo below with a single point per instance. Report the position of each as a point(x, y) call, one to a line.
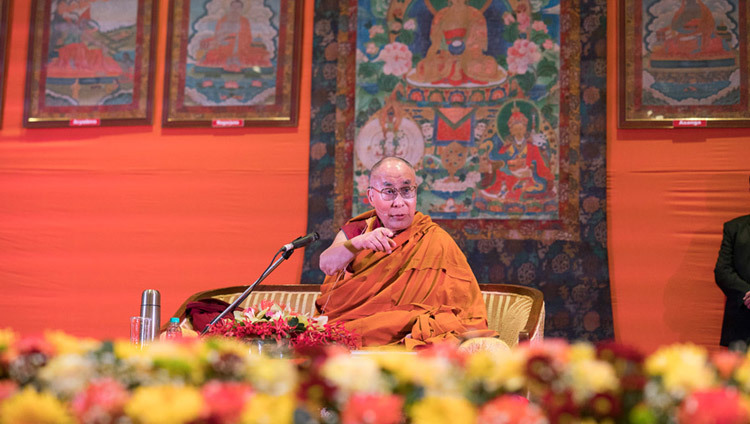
point(398, 213)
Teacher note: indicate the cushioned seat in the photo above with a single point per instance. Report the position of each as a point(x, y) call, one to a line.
point(515, 312)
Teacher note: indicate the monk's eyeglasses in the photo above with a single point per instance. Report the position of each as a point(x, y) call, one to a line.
point(390, 193)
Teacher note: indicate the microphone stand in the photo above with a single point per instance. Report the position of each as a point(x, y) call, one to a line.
point(250, 288)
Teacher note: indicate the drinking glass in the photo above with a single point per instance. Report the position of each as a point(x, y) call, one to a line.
point(141, 331)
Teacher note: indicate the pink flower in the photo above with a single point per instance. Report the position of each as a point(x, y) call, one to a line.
point(521, 55)
point(721, 405)
point(539, 26)
point(549, 44)
point(397, 57)
point(524, 20)
point(103, 401)
point(375, 30)
point(410, 25)
point(224, 401)
point(508, 18)
point(371, 48)
point(446, 350)
point(373, 409)
point(726, 362)
point(510, 409)
point(7, 389)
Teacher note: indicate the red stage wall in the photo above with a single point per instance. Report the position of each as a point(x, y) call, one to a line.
point(91, 217)
point(669, 192)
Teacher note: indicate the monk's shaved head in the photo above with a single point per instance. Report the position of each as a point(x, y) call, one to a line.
point(389, 160)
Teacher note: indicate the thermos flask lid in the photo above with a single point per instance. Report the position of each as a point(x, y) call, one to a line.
point(150, 297)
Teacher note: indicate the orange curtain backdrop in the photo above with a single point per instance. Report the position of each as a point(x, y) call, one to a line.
point(669, 192)
point(89, 218)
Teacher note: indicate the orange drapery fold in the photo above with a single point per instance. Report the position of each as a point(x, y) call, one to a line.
point(422, 292)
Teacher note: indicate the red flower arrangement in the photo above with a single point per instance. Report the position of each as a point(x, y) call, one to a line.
point(274, 321)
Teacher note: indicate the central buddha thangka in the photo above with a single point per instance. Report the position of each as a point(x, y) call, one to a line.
point(456, 55)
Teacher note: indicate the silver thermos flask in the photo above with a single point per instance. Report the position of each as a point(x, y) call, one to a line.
point(151, 308)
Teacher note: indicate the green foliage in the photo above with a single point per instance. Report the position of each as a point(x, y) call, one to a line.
point(539, 37)
point(387, 83)
point(511, 32)
point(546, 68)
point(361, 118)
point(526, 81)
point(369, 70)
point(549, 111)
point(380, 39)
point(406, 37)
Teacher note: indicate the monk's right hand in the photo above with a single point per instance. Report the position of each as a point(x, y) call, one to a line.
point(378, 239)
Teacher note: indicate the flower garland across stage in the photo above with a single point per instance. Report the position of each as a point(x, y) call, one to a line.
point(57, 378)
point(270, 321)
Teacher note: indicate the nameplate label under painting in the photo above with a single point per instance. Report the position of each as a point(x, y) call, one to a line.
point(89, 122)
point(228, 123)
point(689, 123)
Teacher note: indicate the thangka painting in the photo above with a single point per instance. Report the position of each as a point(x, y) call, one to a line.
point(4, 6)
point(90, 63)
point(233, 63)
point(468, 92)
point(684, 63)
point(500, 106)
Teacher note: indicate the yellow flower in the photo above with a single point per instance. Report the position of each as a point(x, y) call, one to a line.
point(743, 375)
point(7, 338)
point(67, 344)
point(497, 370)
point(589, 377)
point(179, 359)
point(125, 350)
point(224, 345)
point(265, 409)
point(582, 351)
point(30, 407)
point(436, 374)
point(272, 376)
point(164, 405)
point(443, 410)
point(353, 374)
point(683, 368)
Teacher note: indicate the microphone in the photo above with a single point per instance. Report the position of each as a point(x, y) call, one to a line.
point(300, 242)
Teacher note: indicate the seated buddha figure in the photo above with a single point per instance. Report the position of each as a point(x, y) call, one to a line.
point(458, 37)
point(232, 47)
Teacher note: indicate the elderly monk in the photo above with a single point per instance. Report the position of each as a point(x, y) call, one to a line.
point(394, 275)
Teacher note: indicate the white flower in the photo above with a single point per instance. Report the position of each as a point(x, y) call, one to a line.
point(66, 375)
point(353, 374)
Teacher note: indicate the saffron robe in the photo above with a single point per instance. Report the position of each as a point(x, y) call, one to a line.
point(422, 292)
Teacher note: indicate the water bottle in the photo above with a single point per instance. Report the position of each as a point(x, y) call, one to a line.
point(173, 330)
